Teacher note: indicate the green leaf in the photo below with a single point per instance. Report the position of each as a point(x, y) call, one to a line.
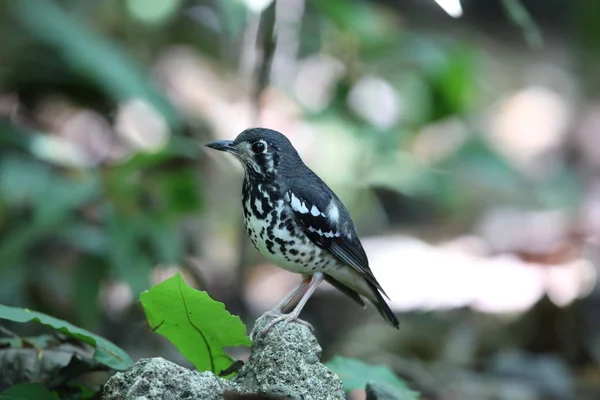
point(27, 391)
point(197, 325)
point(105, 352)
point(355, 374)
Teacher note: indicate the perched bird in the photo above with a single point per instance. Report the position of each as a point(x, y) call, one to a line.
point(296, 221)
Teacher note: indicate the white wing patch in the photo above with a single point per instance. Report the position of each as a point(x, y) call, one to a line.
point(315, 211)
point(297, 205)
point(332, 213)
point(329, 234)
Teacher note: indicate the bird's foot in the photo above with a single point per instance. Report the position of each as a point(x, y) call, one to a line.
point(274, 313)
point(279, 317)
point(285, 319)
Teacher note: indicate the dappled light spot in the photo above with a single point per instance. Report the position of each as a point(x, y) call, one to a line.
point(529, 124)
point(316, 79)
point(452, 7)
point(152, 11)
point(115, 298)
point(141, 126)
point(377, 101)
point(420, 276)
point(440, 140)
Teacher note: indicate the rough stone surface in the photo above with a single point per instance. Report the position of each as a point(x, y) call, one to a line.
point(282, 363)
point(286, 363)
point(157, 378)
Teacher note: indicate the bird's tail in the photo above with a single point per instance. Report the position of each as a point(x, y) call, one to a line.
point(383, 308)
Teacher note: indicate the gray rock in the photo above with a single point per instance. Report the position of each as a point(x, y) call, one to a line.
point(282, 363)
point(286, 363)
point(159, 379)
point(379, 392)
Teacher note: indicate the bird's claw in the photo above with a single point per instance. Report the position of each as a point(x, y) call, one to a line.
point(285, 319)
point(274, 313)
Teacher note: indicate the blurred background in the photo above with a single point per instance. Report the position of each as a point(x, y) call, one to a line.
point(464, 138)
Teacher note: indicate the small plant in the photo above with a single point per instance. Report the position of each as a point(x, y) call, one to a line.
point(200, 327)
point(30, 364)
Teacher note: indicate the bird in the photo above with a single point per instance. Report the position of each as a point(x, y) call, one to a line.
point(298, 223)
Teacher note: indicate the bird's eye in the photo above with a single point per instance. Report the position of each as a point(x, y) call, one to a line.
point(258, 147)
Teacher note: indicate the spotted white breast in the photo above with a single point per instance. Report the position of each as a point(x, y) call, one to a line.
point(277, 237)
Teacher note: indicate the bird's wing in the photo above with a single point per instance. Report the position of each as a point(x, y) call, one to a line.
point(327, 224)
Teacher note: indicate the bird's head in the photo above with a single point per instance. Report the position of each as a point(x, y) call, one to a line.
point(261, 151)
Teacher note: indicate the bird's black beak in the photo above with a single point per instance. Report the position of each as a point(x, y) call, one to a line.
point(222, 145)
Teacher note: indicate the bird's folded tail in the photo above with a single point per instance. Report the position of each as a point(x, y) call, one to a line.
point(383, 308)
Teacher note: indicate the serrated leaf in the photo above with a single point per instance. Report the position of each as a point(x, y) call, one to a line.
point(105, 353)
point(200, 327)
point(356, 374)
point(27, 391)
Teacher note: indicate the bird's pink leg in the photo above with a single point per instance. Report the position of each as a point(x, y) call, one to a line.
point(278, 309)
point(312, 284)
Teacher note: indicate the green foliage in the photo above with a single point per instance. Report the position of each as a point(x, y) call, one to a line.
point(66, 229)
point(356, 374)
point(27, 391)
point(106, 353)
point(96, 59)
point(53, 359)
point(140, 203)
point(197, 325)
point(370, 25)
point(519, 15)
